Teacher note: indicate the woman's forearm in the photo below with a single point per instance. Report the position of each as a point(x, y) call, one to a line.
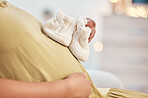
point(73, 86)
point(18, 89)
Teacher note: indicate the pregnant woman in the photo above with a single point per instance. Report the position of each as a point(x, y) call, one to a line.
point(39, 63)
point(34, 66)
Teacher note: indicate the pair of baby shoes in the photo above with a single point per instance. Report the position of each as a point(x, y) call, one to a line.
point(70, 32)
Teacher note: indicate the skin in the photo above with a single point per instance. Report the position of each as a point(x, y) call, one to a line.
point(84, 89)
point(91, 24)
point(72, 86)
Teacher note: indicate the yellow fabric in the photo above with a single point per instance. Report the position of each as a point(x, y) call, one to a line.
point(26, 54)
point(120, 93)
point(104, 91)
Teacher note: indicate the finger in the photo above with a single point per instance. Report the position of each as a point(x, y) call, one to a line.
point(92, 35)
point(89, 92)
point(78, 75)
point(89, 82)
point(91, 23)
point(86, 25)
point(82, 75)
point(91, 38)
point(94, 23)
point(93, 31)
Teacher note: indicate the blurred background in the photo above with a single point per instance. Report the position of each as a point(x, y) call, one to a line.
point(120, 45)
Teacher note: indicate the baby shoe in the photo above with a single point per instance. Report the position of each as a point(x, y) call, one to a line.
point(60, 28)
point(79, 44)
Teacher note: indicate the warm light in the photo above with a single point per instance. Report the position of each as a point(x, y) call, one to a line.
point(114, 1)
point(98, 46)
point(141, 12)
point(131, 11)
point(137, 12)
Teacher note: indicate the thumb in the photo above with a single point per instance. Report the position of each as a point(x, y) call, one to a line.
point(83, 75)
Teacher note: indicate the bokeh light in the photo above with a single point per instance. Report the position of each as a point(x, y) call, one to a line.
point(137, 12)
point(114, 1)
point(98, 46)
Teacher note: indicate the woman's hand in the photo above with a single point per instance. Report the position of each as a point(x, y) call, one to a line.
point(79, 86)
point(91, 24)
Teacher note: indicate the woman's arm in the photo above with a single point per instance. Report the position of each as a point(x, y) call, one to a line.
point(17, 89)
point(74, 85)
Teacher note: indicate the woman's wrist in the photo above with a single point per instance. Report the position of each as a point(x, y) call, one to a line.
point(58, 89)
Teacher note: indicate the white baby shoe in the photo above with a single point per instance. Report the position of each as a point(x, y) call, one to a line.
point(79, 45)
point(70, 32)
point(61, 28)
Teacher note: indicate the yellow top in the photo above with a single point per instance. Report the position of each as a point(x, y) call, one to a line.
point(26, 54)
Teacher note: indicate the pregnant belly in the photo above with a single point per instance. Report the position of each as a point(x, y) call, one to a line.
point(39, 59)
point(57, 60)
